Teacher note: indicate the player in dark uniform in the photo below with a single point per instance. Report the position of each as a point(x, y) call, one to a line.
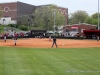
point(54, 42)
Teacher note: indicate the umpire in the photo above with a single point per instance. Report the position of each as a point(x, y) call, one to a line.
point(54, 42)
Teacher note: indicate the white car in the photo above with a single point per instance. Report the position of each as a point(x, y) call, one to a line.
point(50, 32)
point(59, 32)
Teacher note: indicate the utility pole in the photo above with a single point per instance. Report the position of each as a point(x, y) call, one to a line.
point(15, 21)
point(28, 22)
point(65, 23)
point(98, 14)
point(54, 21)
point(48, 25)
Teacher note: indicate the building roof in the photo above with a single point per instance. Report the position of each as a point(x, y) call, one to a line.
point(80, 24)
point(8, 2)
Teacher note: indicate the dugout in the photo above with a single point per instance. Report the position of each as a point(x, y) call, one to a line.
point(91, 34)
point(37, 32)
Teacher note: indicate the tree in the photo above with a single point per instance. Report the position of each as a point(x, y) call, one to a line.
point(88, 20)
point(1, 13)
point(77, 17)
point(44, 17)
point(92, 19)
point(25, 20)
point(95, 16)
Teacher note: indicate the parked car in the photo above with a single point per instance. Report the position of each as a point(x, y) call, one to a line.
point(78, 35)
point(59, 32)
point(50, 32)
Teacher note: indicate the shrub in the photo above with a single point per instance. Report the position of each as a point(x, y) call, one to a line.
point(18, 24)
point(22, 27)
point(11, 25)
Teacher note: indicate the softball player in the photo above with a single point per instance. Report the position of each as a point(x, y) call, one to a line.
point(5, 37)
point(97, 38)
point(50, 37)
point(54, 42)
point(15, 40)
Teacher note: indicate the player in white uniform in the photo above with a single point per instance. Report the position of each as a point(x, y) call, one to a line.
point(50, 37)
point(5, 37)
point(15, 40)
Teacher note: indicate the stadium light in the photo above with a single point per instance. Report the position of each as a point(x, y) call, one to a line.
point(28, 22)
point(48, 25)
point(54, 21)
point(98, 14)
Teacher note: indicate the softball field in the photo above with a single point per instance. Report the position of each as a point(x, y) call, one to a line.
point(45, 43)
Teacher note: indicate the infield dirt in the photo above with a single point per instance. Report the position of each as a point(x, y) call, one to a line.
point(45, 43)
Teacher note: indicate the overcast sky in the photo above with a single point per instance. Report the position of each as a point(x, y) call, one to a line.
point(91, 6)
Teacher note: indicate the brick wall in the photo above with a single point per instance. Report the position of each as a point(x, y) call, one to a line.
point(9, 9)
point(81, 26)
point(64, 11)
point(19, 9)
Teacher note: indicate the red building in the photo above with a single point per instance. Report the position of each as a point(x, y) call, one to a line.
point(79, 28)
point(91, 34)
point(64, 11)
point(9, 9)
point(16, 9)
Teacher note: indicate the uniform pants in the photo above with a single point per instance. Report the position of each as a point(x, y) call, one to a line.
point(5, 38)
point(49, 38)
point(54, 43)
point(15, 41)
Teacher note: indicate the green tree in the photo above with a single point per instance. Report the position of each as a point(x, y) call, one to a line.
point(44, 17)
point(1, 12)
point(95, 16)
point(77, 17)
point(92, 19)
point(25, 20)
point(18, 24)
point(88, 20)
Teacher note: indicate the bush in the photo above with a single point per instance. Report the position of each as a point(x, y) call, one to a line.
point(22, 27)
point(11, 25)
point(18, 24)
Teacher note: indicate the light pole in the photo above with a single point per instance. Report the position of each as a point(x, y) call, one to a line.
point(28, 22)
point(48, 25)
point(54, 21)
point(98, 14)
point(65, 21)
point(15, 22)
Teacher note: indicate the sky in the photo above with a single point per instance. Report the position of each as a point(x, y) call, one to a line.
point(90, 6)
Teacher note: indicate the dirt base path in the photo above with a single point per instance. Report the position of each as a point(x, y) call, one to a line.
point(45, 43)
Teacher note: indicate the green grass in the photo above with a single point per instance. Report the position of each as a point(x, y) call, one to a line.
point(49, 61)
point(2, 28)
point(30, 27)
point(52, 34)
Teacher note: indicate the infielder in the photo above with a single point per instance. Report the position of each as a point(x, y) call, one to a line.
point(50, 37)
point(54, 42)
point(97, 38)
